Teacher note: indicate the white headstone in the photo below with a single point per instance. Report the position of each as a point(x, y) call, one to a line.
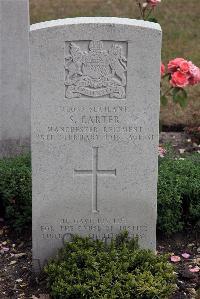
point(14, 77)
point(95, 116)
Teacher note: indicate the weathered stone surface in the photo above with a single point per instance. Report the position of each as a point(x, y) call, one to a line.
point(14, 77)
point(95, 115)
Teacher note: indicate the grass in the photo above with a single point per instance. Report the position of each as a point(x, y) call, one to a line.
point(180, 23)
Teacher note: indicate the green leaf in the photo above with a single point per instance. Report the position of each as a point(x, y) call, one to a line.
point(152, 19)
point(180, 96)
point(163, 100)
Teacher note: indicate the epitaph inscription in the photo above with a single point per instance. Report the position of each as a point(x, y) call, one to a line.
point(97, 71)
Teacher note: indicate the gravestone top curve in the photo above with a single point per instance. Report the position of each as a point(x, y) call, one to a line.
point(95, 20)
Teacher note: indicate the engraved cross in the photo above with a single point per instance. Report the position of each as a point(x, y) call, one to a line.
point(95, 172)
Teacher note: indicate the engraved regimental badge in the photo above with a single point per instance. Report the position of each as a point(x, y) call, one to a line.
point(97, 72)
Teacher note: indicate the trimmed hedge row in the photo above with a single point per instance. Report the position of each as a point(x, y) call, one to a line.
point(15, 191)
point(178, 193)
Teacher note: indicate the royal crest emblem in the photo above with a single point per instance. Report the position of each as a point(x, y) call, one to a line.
point(95, 73)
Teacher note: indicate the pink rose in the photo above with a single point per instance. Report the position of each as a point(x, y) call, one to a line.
point(185, 255)
point(175, 258)
point(161, 152)
point(195, 269)
point(174, 64)
point(153, 3)
point(194, 72)
point(179, 79)
point(183, 72)
point(162, 69)
point(184, 66)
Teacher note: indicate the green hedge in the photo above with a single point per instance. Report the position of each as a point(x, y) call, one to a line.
point(178, 192)
point(85, 268)
point(15, 191)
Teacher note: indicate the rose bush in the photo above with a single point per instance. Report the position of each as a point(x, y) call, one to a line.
point(183, 73)
point(146, 7)
point(180, 73)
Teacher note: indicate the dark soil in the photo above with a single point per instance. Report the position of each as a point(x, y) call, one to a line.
point(187, 141)
point(18, 281)
point(16, 277)
point(188, 283)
